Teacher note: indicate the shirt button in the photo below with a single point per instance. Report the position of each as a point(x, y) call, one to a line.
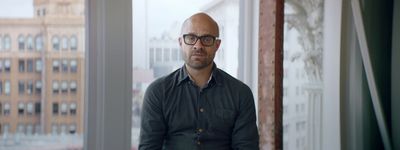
point(198, 142)
point(201, 110)
point(200, 130)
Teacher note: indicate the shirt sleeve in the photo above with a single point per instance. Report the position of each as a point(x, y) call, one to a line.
point(153, 128)
point(245, 133)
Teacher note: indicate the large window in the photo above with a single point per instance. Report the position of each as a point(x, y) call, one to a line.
point(35, 64)
point(303, 82)
point(156, 50)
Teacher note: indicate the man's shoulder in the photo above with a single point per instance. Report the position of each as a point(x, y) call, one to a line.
point(166, 80)
point(233, 83)
point(229, 79)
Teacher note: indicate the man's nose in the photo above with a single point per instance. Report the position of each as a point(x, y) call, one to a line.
point(198, 44)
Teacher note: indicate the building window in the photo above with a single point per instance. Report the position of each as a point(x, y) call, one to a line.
point(285, 91)
point(30, 43)
point(7, 87)
point(20, 128)
point(286, 128)
point(158, 54)
point(29, 87)
point(44, 12)
point(39, 43)
point(64, 87)
point(166, 54)
point(21, 87)
point(29, 63)
point(1, 43)
point(55, 108)
point(39, 65)
point(285, 73)
point(29, 108)
point(7, 65)
point(6, 110)
point(285, 109)
point(74, 43)
point(64, 43)
point(56, 65)
point(21, 65)
point(54, 129)
point(64, 65)
point(1, 112)
point(64, 109)
point(64, 129)
point(29, 129)
point(7, 42)
point(21, 108)
point(297, 143)
point(56, 43)
point(37, 129)
point(151, 57)
point(37, 108)
point(21, 42)
point(55, 87)
point(38, 87)
point(6, 129)
point(1, 65)
point(73, 87)
point(72, 129)
point(175, 54)
point(72, 109)
point(1, 87)
point(74, 66)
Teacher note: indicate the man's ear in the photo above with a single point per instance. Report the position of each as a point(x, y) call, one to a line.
point(217, 43)
point(180, 41)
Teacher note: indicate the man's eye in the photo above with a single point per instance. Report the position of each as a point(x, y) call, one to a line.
point(192, 38)
point(207, 39)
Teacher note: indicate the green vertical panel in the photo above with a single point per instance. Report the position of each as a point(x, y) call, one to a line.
point(396, 76)
point(377, 17)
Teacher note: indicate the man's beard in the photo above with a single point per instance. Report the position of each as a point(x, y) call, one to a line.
point(199, 64)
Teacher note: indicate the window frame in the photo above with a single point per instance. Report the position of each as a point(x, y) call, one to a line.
point(30, 45)
point(73, 43)
point(38, 42)
point(330, 123)
point(64, 43)
point(109, 25)
point(55, 43)
point(21, 42)
point(108, 77)
point(7, 42)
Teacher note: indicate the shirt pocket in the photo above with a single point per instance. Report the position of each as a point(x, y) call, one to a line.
point(223, 121)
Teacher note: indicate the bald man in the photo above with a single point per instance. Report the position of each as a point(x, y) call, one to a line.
point(198, 106)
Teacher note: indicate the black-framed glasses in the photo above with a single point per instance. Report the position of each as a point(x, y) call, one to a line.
point(206, 40)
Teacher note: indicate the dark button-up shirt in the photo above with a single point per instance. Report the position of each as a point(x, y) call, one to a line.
point(178, 115)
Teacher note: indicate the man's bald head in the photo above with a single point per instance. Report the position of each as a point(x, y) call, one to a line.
point(201, 23)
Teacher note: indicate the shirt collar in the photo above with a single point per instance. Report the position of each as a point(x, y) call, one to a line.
point(184, 75)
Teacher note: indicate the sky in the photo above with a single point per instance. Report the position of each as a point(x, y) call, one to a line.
point(16, 8)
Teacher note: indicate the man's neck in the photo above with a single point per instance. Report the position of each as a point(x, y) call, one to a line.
point(200, 76)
